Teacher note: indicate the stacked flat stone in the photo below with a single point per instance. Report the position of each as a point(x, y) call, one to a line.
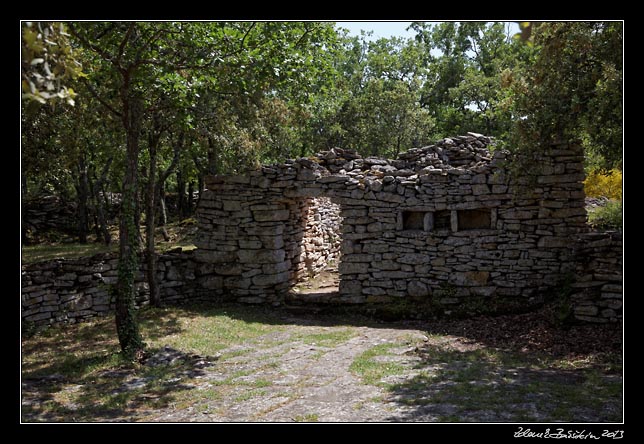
point(74, 290)
point(322, 238)
point(49, 213)
point(252, 226)
point(597, 292)
point(444, 226)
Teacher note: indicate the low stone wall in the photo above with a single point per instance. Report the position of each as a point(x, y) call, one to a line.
point(48, 213)
point(597, 290)
point(72, 290)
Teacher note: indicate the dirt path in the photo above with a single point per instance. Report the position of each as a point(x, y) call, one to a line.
point(349, 370)
point(308, 373)
point(299, 381)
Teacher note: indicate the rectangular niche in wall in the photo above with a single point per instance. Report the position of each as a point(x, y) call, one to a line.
point(442, 220)
point(413, 220)
point(480, 219)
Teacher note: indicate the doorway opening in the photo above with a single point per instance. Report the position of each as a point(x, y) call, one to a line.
point(317, 257)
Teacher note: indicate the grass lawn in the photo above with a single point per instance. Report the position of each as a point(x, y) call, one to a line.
point(87, 355)
point(256, 360)
point(181, 235)
point(465, 385)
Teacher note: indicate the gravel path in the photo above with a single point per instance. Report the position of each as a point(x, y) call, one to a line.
point(306, 372)
point(307, 381)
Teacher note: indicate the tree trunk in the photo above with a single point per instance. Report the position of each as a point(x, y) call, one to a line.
point(182, 204)
point(150, 222)
point(137, 220)
point(154, 194)
point(163, 176)
point(163, 212)
point(126, 323)
point(201, 186)
point(23, 196)
point(101, 203)
point(82, 197)
point(97, 224)
point(212, 167)
point(201, 172)
point(191, 192)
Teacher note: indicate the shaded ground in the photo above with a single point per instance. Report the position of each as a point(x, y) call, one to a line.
point(61, 246)
point(251, 364)
point(324, 284)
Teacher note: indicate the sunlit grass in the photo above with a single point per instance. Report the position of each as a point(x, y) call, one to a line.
point(181, 235)
point(329, 338)
point(372, 371)
point(44, 252)
point(87, 356)
point(206, 331)
point(309, 417)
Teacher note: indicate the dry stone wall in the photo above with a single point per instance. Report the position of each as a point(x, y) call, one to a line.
point(441, 229)
point(322, 237)
point(597, 293)
point(48, 213)
point(73, 290)
point(444, 225)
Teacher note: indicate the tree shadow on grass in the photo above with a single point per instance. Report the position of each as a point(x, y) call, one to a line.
point(87, 345)
point(485, 385)
point(535, 333)
point(497, 380)
point(75, 373)
point(122, 392)
point(510, 368)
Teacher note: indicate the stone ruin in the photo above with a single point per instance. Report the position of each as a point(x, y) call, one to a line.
point(443, 229)
point(444, 225)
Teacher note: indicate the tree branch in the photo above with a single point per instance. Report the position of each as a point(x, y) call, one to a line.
point(306, 32)
point(153, 37)
point(105, 170)
point(104, 54)
point(241, 45)
point(98, 97)
point(175, 159)
point(127, 36)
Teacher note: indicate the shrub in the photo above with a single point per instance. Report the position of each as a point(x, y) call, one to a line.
point(600, 183)
point(607, 217)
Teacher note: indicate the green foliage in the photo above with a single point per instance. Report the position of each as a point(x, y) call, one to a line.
point(573, 91)
point(164, 79)
point(228, 96)
point(608, 217)
point(48, 63)
point(373, 106)
point(465, 71)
